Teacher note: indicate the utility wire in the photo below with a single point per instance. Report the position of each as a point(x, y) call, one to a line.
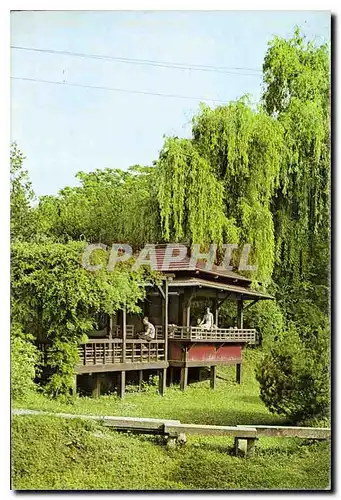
point(163, 64)
point(128, 91)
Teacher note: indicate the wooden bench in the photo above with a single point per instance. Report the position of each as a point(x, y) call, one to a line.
point(176, 432)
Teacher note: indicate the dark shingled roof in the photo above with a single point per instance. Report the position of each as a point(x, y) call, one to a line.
point(166, 263)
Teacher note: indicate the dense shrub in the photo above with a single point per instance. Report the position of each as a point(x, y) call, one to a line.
point(55, 298)
point(294, 376)
point(24, 358)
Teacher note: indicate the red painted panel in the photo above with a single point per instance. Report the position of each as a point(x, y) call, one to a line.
point(209, 352)
point(175, 351)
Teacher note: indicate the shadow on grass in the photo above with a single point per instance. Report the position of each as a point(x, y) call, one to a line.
point(229, 417)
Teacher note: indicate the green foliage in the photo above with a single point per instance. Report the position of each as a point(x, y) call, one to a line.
point(22, 195)
point(294, 376)
point(24, 359)
point(88, 456)
point(55, 298)
point(267, 317)
point(244, 148)
point(258, 176)
point(297, 94)
point(189, 195)
point(109, 206)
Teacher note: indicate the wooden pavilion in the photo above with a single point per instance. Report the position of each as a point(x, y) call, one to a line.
point(178, 344)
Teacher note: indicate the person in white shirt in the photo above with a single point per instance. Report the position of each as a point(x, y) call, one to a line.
point(208, 320)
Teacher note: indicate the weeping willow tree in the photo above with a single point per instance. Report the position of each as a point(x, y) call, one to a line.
point(297, 95)
point(218, 185)
point(191, 198)
point(244, 148)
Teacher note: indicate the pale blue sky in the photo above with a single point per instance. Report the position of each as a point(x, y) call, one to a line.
point(64, 129)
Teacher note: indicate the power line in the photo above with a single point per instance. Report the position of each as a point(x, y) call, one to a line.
point(148, 62)
point(128, 91)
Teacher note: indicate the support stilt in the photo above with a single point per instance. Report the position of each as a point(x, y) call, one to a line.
point(140, 379)
point(96, 392)
point(122, 388)
point(184, 378)
point(74, 386)
point(238, 373)
point(171, 375)
point(162, 381)
point(213, 379)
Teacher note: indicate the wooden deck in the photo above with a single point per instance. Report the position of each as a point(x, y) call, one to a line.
point(197, 334)
point(113, 354)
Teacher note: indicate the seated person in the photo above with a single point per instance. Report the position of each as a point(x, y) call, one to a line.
point(149, 333)
point(208, 321)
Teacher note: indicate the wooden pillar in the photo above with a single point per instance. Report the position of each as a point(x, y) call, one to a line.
point(171, 375)
point(240, 319)
point(140, 379)
point(122, 388)
point(166, 320)
point(213, 377)
point(110, 326)
point(74, 385)
point(238, 373)
point(184, 378)
point(96, 392)
point(162, 381)
point(215, 309)
point(186, 313)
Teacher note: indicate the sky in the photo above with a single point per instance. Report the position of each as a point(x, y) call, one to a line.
point(66, 128)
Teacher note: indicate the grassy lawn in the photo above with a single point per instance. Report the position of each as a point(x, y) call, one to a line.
point(53, 453)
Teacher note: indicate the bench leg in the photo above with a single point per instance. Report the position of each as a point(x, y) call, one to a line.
point(250, 447)
point(236, 447)
point(249, 450)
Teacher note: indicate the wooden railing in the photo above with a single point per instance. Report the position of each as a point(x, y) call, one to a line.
point(215, 334)
point(117, 332)
point(107, 352)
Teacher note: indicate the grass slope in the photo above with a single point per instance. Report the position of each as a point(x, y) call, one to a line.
point(54, 453)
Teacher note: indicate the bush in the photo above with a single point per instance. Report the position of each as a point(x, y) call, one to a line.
point(24, 358)
point(294, 377)
point(266, 316)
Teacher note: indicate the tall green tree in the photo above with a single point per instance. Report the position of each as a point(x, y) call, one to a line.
point(297, 95)
point(110, 205)
point(21, 198)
